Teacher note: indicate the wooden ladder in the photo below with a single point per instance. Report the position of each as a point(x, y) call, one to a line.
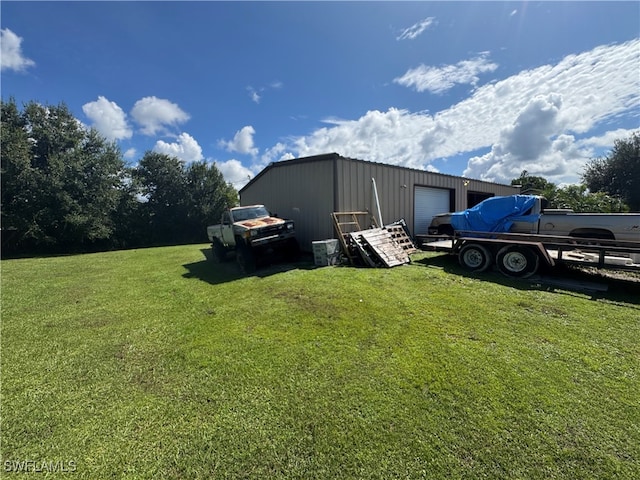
point(345, 223)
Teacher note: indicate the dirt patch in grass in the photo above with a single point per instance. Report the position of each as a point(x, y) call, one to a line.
point(308, 302)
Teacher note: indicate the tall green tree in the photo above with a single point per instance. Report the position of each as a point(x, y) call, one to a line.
point(580, 200)
point(162, 186)
point(575, 197)
point(618, 173)
point(532, 184)
point(180, 200)
point(19, 180)
point(209, 193)
point(60, 181)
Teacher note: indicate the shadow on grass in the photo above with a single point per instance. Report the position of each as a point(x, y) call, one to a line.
point(215, 273)
point(614, 286)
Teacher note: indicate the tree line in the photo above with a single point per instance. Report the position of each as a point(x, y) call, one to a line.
point(65, 189)
point(609, 184)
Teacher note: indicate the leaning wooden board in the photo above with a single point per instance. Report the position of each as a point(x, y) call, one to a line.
point(385, 247)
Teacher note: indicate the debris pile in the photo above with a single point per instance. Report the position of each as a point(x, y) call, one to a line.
point(386, 246)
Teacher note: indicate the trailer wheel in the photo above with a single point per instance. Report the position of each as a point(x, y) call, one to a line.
point(475, 257)
point(246, 259)
point(517, 261)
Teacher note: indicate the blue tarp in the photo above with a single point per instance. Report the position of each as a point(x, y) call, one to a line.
point(495, 214)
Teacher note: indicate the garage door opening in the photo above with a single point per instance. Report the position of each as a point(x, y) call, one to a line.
point(429, 201)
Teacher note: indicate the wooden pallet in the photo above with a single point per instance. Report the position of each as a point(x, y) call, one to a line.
point(399, 235)
point(361, 248)
point(378, 248)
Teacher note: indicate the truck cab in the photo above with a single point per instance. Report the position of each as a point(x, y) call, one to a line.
point(252, 233)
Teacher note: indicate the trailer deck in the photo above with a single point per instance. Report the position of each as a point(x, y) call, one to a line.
point(519, 255)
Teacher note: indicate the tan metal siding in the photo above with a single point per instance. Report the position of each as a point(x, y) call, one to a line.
point(307, 191)
point(302, 192)
point(354, 189)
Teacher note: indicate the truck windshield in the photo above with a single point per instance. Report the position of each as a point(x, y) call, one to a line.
point(249, 213)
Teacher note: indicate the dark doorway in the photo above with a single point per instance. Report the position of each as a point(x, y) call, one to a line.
point(474, 198)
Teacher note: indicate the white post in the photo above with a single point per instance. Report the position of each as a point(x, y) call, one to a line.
point(375, 193)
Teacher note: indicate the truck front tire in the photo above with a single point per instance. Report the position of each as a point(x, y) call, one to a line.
point(292, 250)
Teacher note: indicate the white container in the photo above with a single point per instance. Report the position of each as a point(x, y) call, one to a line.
point(326, 252)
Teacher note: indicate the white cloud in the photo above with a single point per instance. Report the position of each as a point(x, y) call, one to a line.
point(256, 93)
point(11, 56)
point(235, 173)
point(532, 144)
point(108, 118)
point(386, 137)
point(157, 115)
point(130, 154)
point(529, 136)
point(277, 152)
point(255, 97)
point(238, 175)
point(560, 103)
point(441, 79)
point(242, 142)
point(415, 30)
point(185, 148)
point(608, 138)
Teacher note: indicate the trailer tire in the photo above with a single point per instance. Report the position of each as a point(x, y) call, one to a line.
point(517, 261)
point(475, 257)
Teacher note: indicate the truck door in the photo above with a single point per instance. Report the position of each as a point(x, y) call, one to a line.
point(528, 225)
point(227, 229)
point(524, 227)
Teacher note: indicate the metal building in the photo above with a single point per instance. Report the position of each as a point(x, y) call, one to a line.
point(307, 190)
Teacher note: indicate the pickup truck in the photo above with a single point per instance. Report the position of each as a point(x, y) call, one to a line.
point(527, 214)
point(252, 233)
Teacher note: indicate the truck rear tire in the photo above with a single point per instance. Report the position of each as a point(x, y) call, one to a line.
point(246, 259)
point(219, 252)
point(475, 257)
point(517, 261)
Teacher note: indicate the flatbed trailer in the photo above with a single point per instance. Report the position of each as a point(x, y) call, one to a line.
point(521, 255)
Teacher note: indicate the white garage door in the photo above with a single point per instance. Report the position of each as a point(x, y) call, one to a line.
point(427, 203)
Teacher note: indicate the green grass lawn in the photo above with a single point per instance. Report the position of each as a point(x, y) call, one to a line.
point(156, 363)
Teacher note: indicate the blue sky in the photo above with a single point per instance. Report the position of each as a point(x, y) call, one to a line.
point(480, 89)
